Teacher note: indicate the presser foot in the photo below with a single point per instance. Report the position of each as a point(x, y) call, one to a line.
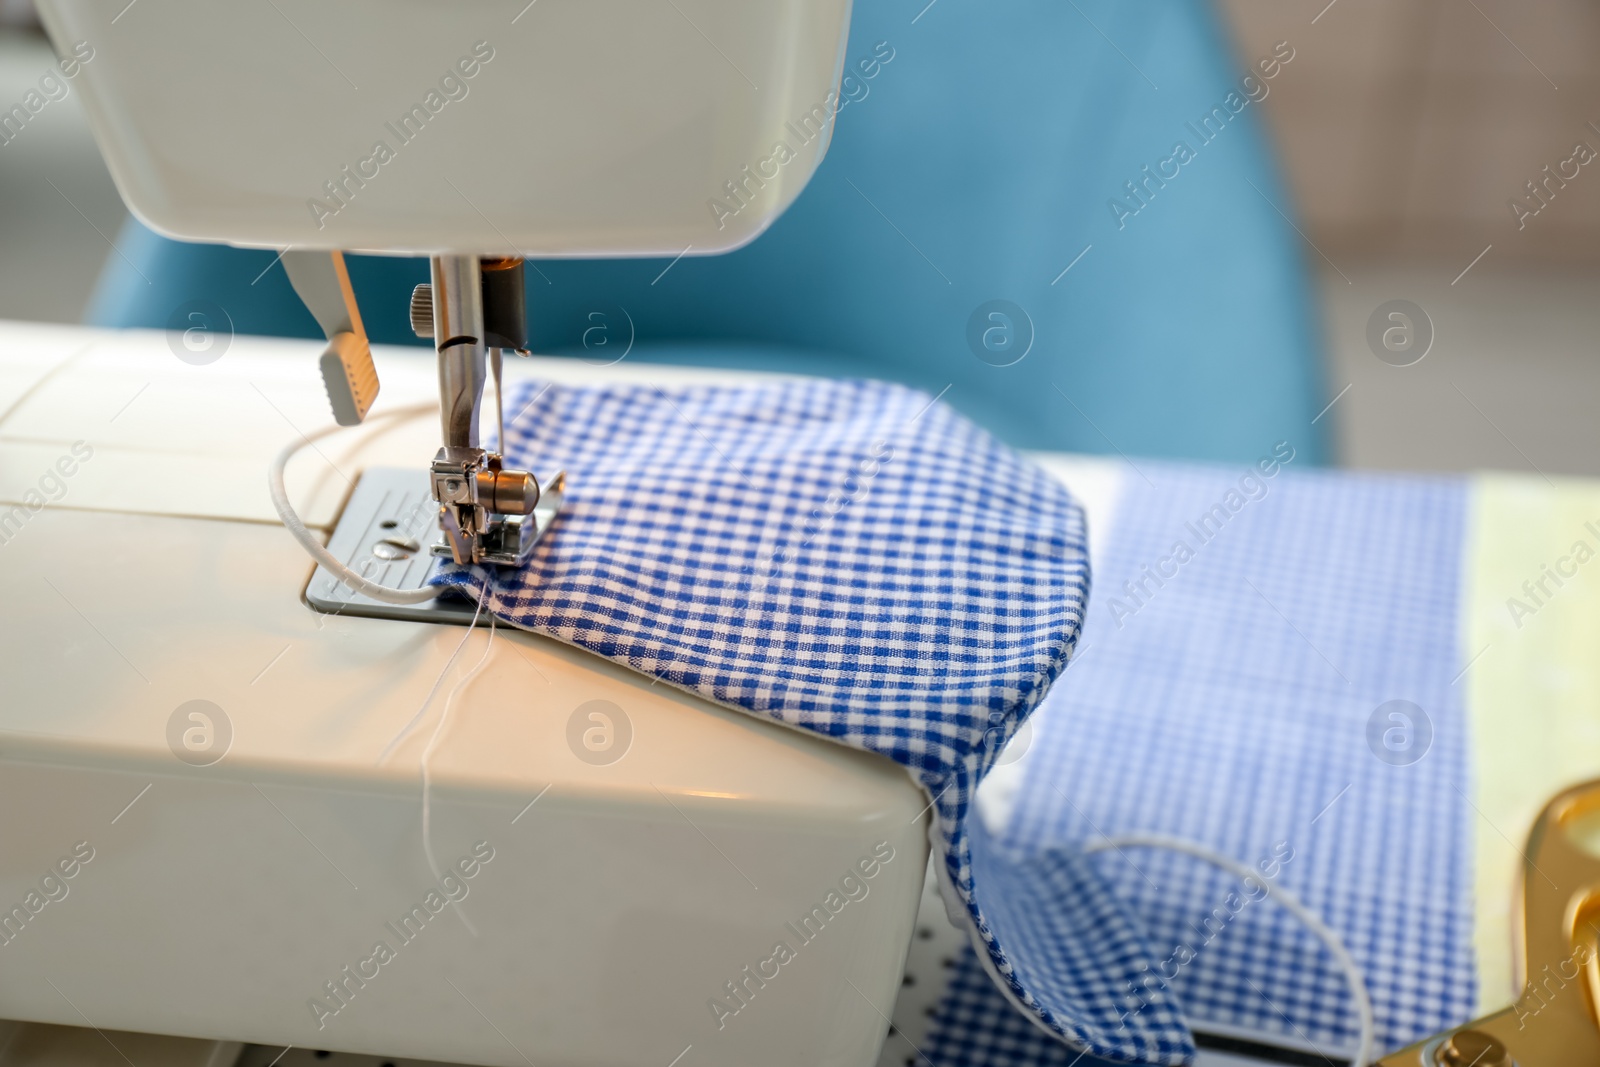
point(506, 540)
point(487, 513)
point(387, 533)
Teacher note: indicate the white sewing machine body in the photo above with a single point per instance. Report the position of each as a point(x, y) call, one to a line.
point(227, 901)
point(601, 128)
point(215, 847)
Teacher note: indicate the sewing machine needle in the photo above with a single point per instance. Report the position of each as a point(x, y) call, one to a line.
point(499, 403)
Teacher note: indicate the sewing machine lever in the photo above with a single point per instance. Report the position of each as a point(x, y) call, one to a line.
point(348, 372)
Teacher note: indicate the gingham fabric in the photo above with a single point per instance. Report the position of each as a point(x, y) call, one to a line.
point(976, 1026)
point(857, 560)
point(1232, 707)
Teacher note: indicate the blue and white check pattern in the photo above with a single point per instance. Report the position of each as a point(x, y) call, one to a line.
point(857, 560)
point(976, 1026)
point(1231, 707)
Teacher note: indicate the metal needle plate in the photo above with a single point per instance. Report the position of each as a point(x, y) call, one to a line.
point(384, 534)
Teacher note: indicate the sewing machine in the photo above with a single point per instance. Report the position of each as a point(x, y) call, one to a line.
point(644, 165)
point(212, 847)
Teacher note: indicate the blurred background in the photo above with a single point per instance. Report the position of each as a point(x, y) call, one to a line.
point(1405, 129)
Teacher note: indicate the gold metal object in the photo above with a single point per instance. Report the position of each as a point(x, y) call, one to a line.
point(1555, 1022)
point(1471, 1048)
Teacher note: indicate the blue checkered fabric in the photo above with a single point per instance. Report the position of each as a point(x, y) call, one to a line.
point(1055, 896)
point(855, 559)
point(1227, 700)
point(975, 1026)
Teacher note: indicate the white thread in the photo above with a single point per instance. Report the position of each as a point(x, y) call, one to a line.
point(427, 755)
point(308, 540)
point(405, 731)
point(388, 595)
point(1341, 955)
point(296, 526)
point(412, 725)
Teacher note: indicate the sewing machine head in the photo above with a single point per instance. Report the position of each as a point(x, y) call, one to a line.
point(472, 133)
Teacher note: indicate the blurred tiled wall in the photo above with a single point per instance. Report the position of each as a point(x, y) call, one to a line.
point(1405, 126)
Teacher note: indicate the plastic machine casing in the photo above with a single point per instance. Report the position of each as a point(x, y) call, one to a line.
point(543, 128)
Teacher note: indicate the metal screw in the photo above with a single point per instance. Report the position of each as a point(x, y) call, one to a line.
point(393, 548)
point(1472, 1048)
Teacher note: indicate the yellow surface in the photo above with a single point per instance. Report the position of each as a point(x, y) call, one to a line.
point(1533, 693)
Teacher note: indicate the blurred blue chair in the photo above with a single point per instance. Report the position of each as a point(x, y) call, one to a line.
point(975, 166)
